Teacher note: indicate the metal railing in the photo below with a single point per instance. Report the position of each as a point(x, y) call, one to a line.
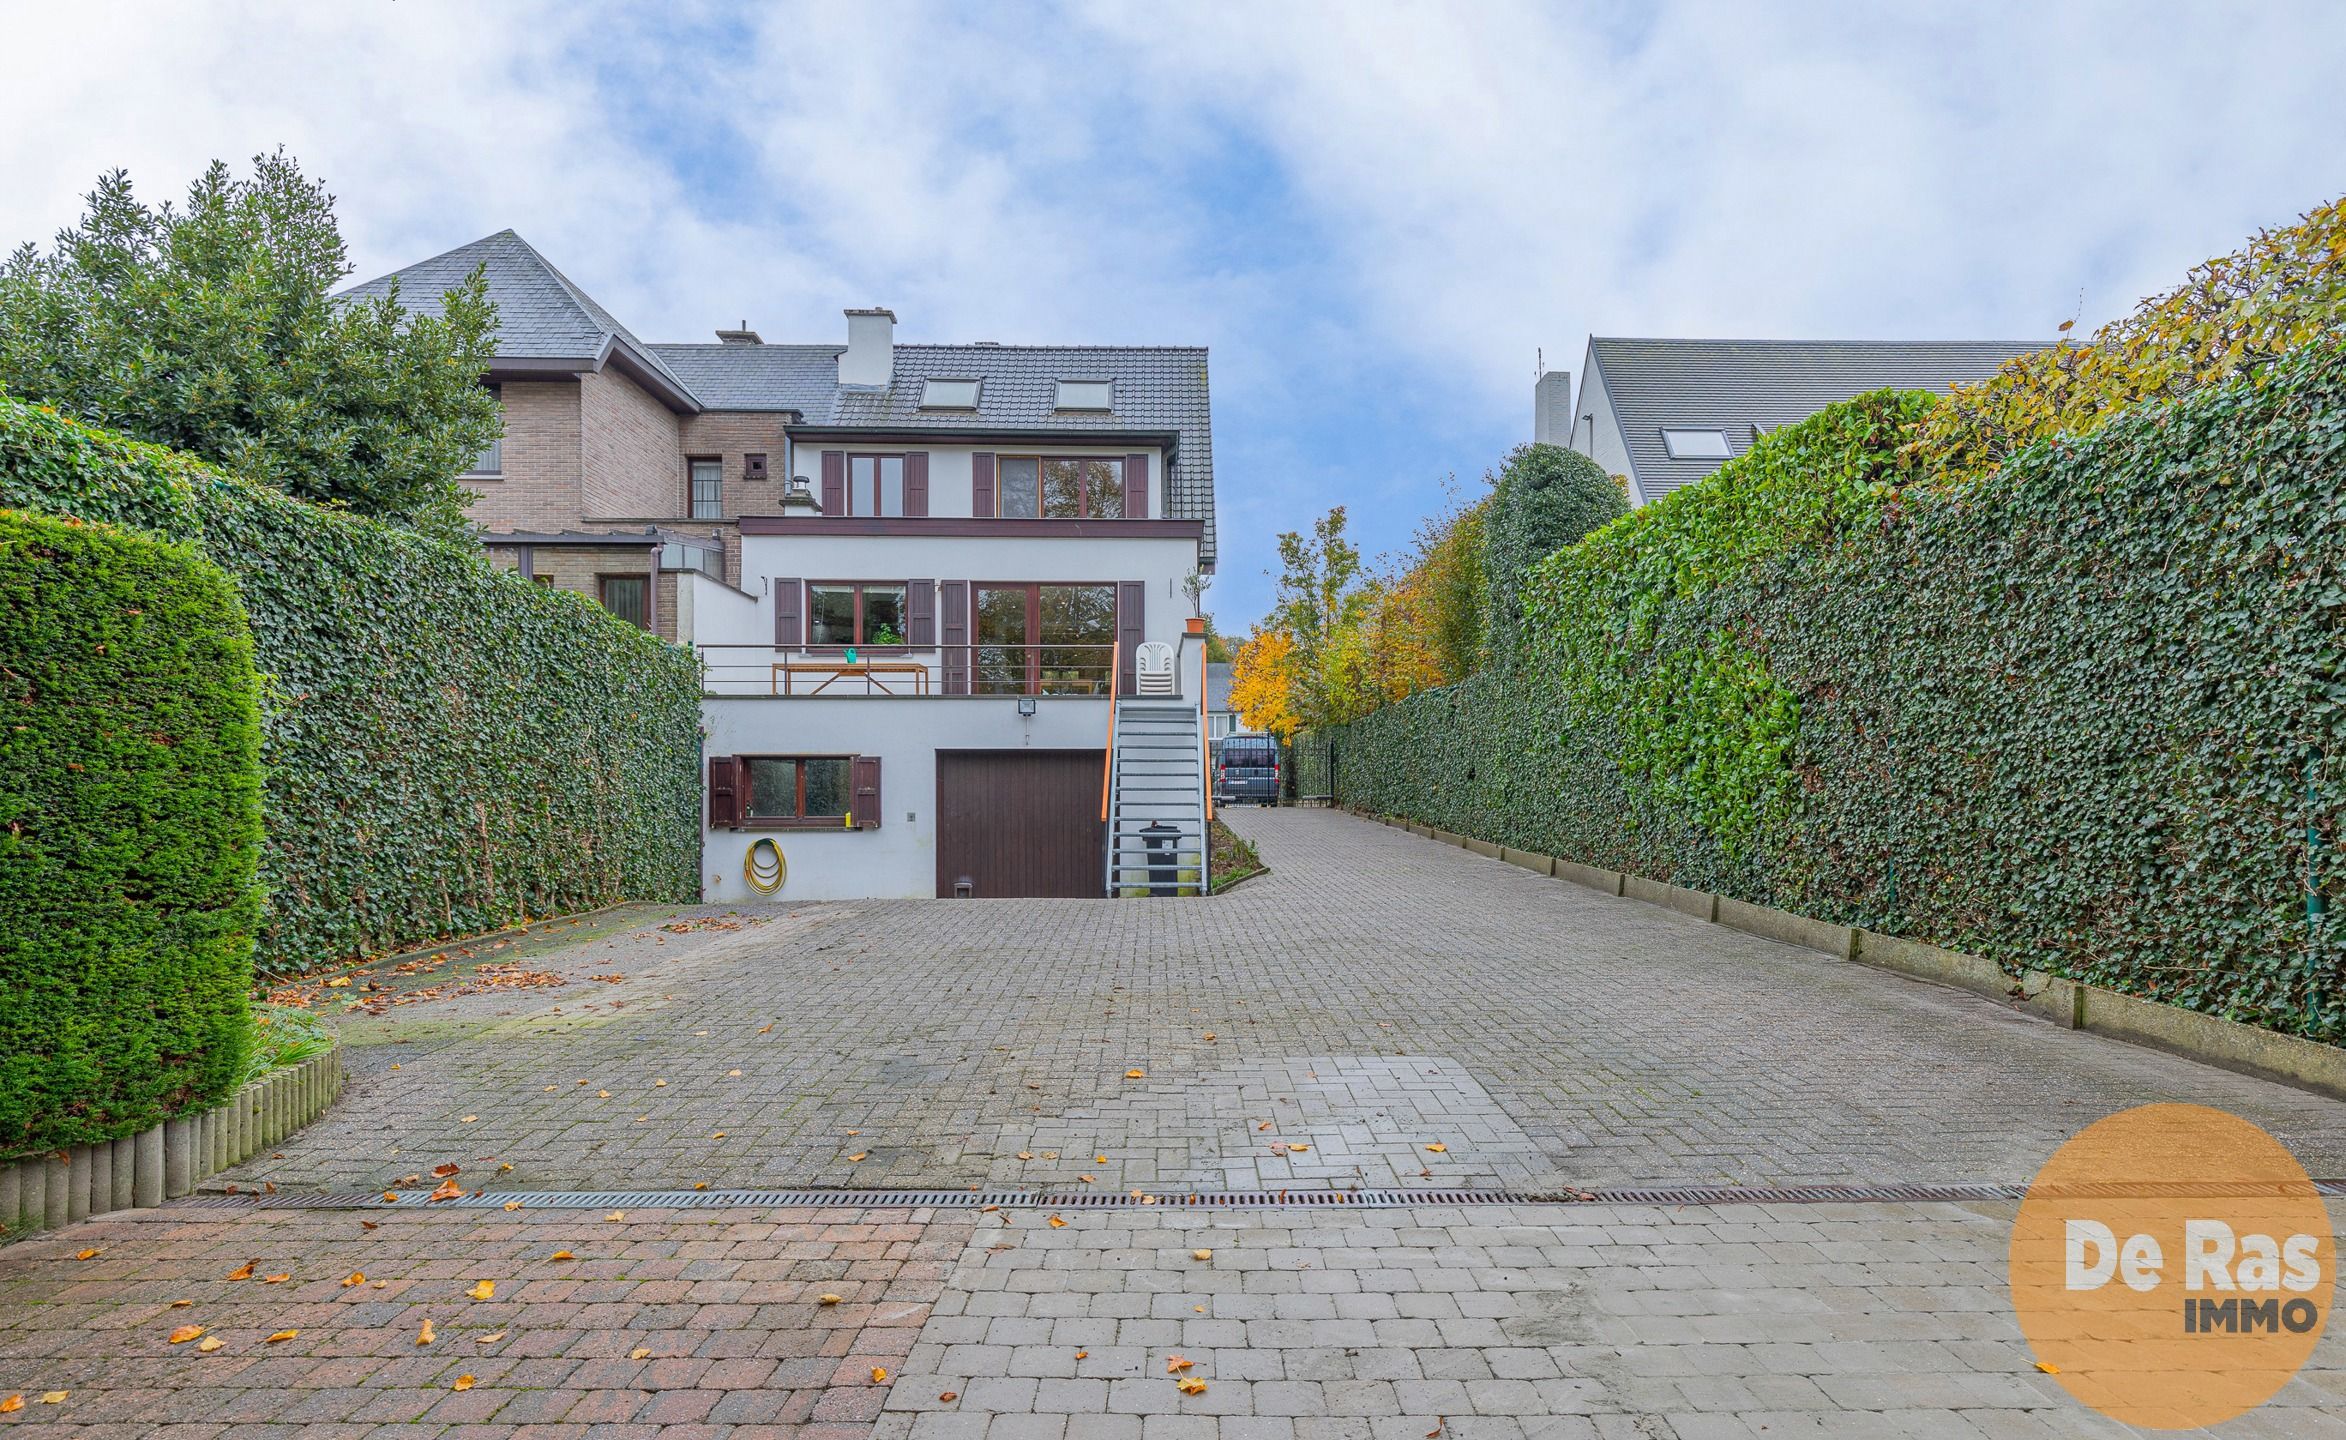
point(1087, 671)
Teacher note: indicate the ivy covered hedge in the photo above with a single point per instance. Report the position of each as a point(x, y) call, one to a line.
point(130, 832)
point(448, 747)
point(2079, 714)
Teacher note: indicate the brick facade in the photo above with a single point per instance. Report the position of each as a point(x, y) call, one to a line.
point(580, 569)
point(538, 487)
point(630, 465)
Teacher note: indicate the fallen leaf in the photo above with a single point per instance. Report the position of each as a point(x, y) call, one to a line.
point(1201, 1254)
point(721, 1135)
point(483, 1290)
point(442, 1172)
point(463, 1382)
point(1297, 1146)
point(356, 1277)
point(1264, 1126)
point(1134, 1074)
point(244, 1273)
point(765, 1029)
point(424, 1336)
point(91, 1254)
point(181, 1304)
point(211, 1343)
point(1057, 1223)
point(733, 1074)
point(186, 1333)
point(275, 1279)
point(1175, 1364)
point(54, 1397)
point(949, 1397)
point(447, 1190)
point(339, 982)
point(1439, 1148)
point(283, 1335)
point(1190, 1385)
point(1083, 1354)
point(390, 1197)
point(1086, 1179)
point(700, 1184)
point(369, 1225)
point(879, 1374)
point(1099, 1159)
point(1026, 1155)
point(640, 1352)
point(506, 1168)
point(510, 1205)
point(489, 1339)
point(2048, 1367)
point(858, 1155)
point(12, 1404)
point(602, 1094)
point(659, 1084)
point(616, 1215)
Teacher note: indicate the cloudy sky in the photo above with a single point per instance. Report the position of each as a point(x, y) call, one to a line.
point(1377, 214)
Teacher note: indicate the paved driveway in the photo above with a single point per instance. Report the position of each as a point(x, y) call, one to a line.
point(1375, 994)
point(1319, 1027)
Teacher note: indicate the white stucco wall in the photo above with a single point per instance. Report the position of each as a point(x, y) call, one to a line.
point(1596, 432)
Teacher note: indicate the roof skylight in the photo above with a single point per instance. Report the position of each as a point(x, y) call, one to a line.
point(948, 394)
point(1085, 394)
point(1696, 444)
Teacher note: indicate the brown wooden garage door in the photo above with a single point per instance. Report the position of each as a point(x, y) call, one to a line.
point(1020, 823)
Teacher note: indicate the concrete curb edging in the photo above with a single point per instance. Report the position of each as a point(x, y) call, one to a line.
point(41, 1192)
point(2209, 1039)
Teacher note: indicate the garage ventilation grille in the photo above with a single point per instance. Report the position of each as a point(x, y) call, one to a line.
point(1187, 1200)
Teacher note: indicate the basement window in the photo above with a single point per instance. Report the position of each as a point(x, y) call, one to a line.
point(1696, 444)
point(1085, 394)
point(949, 395)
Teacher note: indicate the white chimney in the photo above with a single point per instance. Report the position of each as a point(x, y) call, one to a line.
point(870, 361)
point(1551, 409)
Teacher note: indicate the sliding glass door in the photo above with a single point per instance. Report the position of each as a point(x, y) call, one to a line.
point(1043, 639)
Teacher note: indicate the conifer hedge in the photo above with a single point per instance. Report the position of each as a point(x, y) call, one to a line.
point(448, 748)
point(130, 832)
point(2080, 714)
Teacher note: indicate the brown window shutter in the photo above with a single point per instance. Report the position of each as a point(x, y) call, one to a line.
point(1136, 487)
point(789, 631)
point(1131, 600)
point(955, 595)
point(865, 775)
point(834, 482)
point(916, 482)
point(725, 776)
point(981, 485)
point(920, 614)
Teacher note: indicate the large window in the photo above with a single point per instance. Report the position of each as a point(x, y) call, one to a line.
point(1058, 488)
point(809, 789)
point(708, 489)
point(1043, 639)
point(492, 457)
point(862, 612)
point(875, 485)
point(627, 596)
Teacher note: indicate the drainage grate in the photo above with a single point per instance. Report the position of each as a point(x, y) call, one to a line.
point(1186, 1200)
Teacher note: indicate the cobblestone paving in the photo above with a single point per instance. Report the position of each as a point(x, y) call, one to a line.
point(1375, 992)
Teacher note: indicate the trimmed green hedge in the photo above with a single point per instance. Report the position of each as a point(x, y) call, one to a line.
point(2078, 716)
point(448, 747)
point(130, 832)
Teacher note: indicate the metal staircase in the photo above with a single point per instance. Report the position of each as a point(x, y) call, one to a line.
point(1156, 778)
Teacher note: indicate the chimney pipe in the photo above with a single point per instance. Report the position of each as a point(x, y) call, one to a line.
point(869, 361)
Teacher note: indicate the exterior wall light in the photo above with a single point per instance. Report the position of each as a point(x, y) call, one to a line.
point(1026, 706)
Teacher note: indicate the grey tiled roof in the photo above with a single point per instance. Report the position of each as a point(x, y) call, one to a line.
point(1156, 387)
point(1732, 385)
point(540, 314)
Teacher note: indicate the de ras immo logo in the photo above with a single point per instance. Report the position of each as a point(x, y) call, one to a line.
point(2172, 1266)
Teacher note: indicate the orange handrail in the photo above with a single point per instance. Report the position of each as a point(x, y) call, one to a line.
point(1108, 766)
point(1205, 743)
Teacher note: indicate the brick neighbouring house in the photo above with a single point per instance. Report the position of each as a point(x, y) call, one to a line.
point(979, 542)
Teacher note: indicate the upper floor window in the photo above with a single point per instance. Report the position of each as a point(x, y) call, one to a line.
point(1055, 487)
point(875, 485)
point(842, 613)
point(491, 460)
point(708, 489)
point(1085, 394)
point(948, 394)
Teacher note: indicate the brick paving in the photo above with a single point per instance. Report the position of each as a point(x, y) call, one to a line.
point(1375, 992)
point(1318, 1028)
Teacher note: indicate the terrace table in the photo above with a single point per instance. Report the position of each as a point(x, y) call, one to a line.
point(785, 672)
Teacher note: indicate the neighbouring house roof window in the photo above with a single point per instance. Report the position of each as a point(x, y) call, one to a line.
point(708, 489)
point(948, 394)
point(1696, 444)
point(491, 460)
point(1085, 394)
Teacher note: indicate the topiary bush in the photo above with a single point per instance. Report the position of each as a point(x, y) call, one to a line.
point(448, 747)
point(1544, 498)
point(130, 832)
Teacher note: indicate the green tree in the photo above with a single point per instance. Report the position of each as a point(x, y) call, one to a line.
point(1546, 498)
point(212, 328)
point(1324, 602)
